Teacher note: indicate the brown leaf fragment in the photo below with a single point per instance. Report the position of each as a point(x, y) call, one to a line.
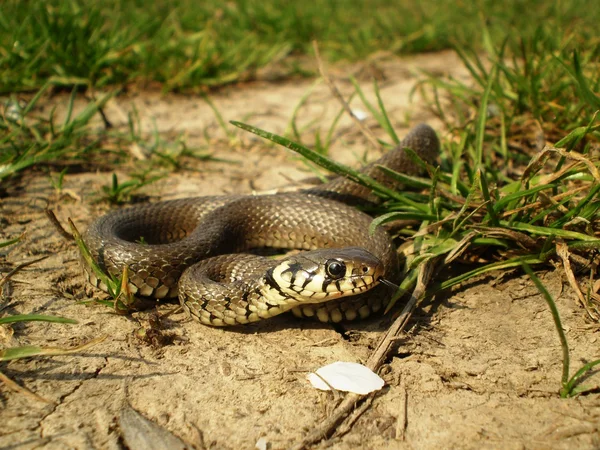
point(563, 252)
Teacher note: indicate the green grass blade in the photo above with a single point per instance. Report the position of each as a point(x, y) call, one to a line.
point(547, 231)
point(330, 165)
point(399, 215)
point(406, 180)
point(407, 284)
point(376, 114)
point(557, 323)
point(585, 90)
point(507, 200)
point(332, 128)
point(386, 124)
point(219, 117)
point(35, 318)
point(500, 265)
point(113, 286)
point(35, 98)
point(575, 136)
point(28, 351)
point(571, 388)
point(70, 107)
point(483, 116)
point(10, 242)
point(293, 125)
point(578, 208)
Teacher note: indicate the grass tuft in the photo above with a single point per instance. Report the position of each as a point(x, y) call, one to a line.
point(184, 45)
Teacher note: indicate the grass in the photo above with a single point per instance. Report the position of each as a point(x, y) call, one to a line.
point(119, 193)
point(501, 196)
point(193, 45)
point(36, 141)
point(79, 142)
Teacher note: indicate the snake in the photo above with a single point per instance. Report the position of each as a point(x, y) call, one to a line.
point(203, 249)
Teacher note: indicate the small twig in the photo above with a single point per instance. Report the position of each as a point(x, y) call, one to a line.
point(325, 428)
point(354, 416)
point(54, 221)
point(337, 94)
point(107, 123)
point(381, 352)
point(374, 362)
point(402, 420)
point(334, 391)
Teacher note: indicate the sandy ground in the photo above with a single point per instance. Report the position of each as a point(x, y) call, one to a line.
point(479, 367)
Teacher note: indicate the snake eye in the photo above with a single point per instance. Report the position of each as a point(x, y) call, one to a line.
point(335, 269)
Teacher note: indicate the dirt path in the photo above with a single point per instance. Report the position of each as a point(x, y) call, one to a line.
point(480, 368)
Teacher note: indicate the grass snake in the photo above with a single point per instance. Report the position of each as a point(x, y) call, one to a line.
point(198, 249)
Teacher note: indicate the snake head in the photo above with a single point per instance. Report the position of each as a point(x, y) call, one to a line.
point(323, 275)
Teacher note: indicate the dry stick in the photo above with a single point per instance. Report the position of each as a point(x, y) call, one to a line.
point(402, 420)
point(337, 94)
point(352, 418)
point(380, 354)
point(107, 123)
point(374, 362)
point(54, 221)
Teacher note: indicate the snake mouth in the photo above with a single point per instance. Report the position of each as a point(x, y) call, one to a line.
point(349, 287)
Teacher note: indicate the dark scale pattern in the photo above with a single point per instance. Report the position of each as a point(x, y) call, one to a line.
point(194, 232)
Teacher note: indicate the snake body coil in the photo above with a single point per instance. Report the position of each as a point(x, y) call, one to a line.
point(191, 248)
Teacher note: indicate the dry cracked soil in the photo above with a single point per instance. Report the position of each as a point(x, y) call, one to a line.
point(478, 368)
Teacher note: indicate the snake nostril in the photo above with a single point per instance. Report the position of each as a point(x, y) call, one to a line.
point(365, 269)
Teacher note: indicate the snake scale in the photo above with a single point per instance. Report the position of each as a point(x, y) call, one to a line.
point(198, 248)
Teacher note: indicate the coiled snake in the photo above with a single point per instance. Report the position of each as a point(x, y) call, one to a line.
point(191, 248)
